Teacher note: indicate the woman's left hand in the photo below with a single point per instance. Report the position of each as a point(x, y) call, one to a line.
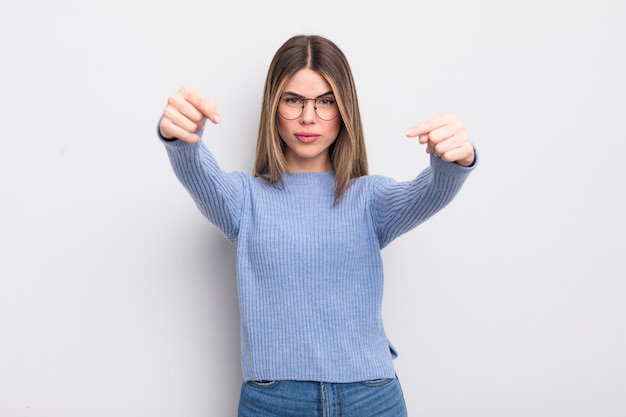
point(446, 137)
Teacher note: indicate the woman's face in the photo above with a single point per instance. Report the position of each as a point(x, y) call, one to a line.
point(308, 137)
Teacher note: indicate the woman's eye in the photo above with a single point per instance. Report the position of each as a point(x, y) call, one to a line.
point(292, 100)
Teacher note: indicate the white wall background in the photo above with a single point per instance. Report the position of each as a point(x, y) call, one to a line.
point(118, 299)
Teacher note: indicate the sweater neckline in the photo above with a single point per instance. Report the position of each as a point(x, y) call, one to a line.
point(309, 177)
point(303, 173)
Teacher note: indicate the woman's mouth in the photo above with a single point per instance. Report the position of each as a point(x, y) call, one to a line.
point(307, 137)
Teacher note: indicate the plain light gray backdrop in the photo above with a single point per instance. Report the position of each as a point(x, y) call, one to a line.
point(118, 299)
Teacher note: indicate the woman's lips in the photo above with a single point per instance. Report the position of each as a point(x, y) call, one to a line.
point(307, 137)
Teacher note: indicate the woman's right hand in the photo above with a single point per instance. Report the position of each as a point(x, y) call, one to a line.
point(185, 115)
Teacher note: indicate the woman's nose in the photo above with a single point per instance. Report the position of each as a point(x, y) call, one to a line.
point(308, 112)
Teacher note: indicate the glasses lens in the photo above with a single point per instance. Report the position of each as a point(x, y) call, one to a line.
point(326, 108)
point(292, 107)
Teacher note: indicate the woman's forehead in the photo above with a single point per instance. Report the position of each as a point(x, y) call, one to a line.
point(307, 82)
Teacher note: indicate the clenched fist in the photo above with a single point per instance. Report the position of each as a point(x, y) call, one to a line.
point(446, 137)
point(185, 115)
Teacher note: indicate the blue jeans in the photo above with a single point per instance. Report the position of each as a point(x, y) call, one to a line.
point(380, 398)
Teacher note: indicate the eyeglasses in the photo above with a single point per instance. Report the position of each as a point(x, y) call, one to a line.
point(291, 107)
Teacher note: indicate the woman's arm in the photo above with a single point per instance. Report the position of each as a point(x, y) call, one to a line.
point(398, 207)
point(217, 194)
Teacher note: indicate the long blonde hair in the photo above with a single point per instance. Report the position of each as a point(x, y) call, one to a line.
point(347, 153)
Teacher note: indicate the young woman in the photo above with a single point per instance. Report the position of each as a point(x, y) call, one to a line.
point(309, 225)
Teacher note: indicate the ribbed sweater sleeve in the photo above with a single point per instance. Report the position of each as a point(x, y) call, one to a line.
point(217, 194)
point(398, 207)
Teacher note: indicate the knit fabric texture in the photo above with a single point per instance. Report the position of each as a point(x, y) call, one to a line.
point(310, 273)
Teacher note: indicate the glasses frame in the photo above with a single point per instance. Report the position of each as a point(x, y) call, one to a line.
point(304, 100)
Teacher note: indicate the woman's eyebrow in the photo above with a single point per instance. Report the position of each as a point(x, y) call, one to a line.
point(291, 93)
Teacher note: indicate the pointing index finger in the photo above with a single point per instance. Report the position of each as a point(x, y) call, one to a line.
point(427, 126)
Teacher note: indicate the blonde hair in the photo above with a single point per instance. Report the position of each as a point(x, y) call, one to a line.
point(347, 154)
